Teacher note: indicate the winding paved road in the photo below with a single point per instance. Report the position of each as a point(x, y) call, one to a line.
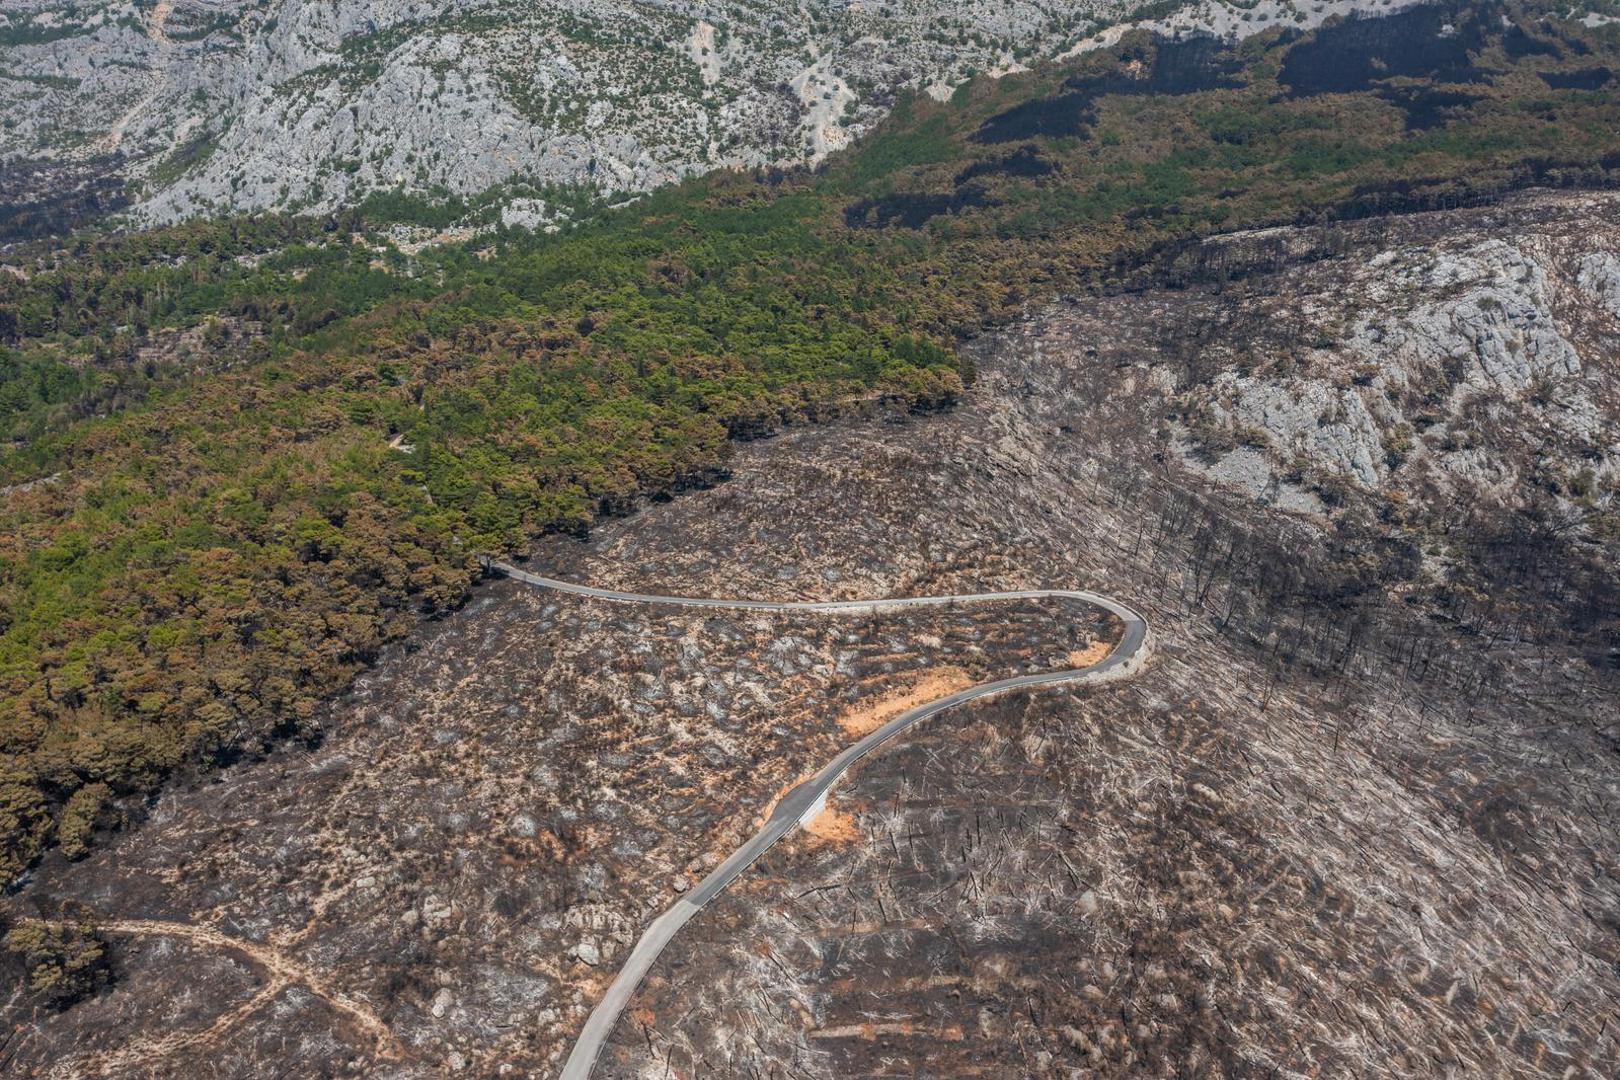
point(806, 800)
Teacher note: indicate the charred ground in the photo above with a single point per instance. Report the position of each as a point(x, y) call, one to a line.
point(1357, 820)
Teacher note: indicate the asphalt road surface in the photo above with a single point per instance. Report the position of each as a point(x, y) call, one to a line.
point(806, 800)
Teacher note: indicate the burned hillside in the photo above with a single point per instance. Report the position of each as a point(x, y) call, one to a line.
point(1357, 818)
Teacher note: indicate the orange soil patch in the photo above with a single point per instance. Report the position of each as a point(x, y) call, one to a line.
point(925, 687)
point(1090, 654)
point(833, 826)
point(838, 826)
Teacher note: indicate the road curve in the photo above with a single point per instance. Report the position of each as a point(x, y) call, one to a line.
point(804, 801)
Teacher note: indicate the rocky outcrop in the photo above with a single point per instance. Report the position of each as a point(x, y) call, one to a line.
point(1477, 365)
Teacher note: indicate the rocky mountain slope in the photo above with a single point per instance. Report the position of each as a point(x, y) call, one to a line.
point(282, 788)
point(209, 106)
point(1442, 372)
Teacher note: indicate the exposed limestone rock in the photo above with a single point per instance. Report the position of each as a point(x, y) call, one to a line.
point(218, 105)
point(1429, 368)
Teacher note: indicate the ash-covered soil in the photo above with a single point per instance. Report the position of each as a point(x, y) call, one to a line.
point(1358, 817)
point(447, 882)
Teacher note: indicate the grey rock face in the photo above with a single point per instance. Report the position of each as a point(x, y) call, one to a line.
point(222, 105)
point(1312, 418)
point(1464, 368)
point(1497, 318)
point(1599, 279)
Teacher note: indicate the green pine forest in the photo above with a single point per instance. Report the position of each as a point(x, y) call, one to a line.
point(200, 546)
